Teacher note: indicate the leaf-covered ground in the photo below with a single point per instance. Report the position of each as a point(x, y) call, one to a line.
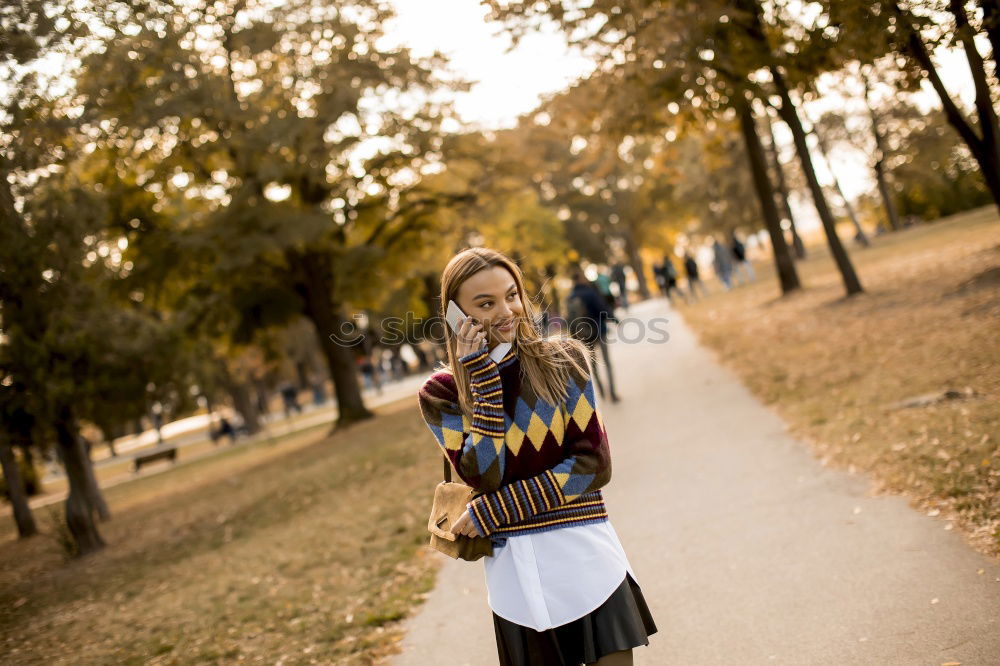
point(833, 368)
point(305, 551)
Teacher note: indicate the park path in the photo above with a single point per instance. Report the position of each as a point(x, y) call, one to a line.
point(748, 550)
point(192, 431)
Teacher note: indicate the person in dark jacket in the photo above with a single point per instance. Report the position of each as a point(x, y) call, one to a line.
point(594, 329)
point(618, 277)
point(693, 280)
point(669, 275)
point(740, 260)
point(723, 264)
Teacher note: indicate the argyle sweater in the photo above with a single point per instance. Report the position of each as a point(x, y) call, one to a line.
point(535, 466)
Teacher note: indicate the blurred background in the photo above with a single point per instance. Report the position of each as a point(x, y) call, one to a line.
point(223, 225)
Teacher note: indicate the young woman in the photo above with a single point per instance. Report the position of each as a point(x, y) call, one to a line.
point(516, 415)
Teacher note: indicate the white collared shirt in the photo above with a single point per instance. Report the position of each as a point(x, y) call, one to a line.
point(547, 579)
point(498, 352)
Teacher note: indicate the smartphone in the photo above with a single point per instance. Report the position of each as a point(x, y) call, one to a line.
point(454, 315)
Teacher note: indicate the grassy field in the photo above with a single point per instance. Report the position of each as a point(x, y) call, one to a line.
point(306, 550)
point(834, 367)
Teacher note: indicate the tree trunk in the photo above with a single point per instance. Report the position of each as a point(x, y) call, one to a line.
point(78, 507)
point(316, 289)
point(260, 397)
point(823, 150)
point(991, 23)
point(93, 489)
point(350, 406)
point(243, 401)
point(886, 194)
point(16, 492)
point(635, 261)
point(791, 117)
point(787, 275)
point(782, 191)
point(859, 233)
point(244, 404)
point(789, 114)
point(880, 173)
point(29, 457)
point(302, 373)
point(985, 149)
point(989, 125)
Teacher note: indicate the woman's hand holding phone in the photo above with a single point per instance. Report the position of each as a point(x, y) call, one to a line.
point(470, 335)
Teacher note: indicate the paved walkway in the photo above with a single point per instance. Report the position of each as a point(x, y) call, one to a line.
point(747, 549)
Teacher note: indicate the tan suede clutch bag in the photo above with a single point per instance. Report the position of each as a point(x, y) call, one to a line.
point(450, 500)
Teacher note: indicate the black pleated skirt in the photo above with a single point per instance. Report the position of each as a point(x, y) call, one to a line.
point(622, 622)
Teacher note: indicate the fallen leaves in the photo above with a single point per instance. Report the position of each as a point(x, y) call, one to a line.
point(911, 342)
point(205, 571)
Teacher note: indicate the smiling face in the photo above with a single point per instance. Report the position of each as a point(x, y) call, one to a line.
point(491, 296)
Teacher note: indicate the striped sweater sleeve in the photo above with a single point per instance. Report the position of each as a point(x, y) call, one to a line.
point(586, 468)
point(476, 446)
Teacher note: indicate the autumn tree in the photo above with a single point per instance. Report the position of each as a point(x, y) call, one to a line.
point(867, 29)
point(302, 136)
point(661, 63)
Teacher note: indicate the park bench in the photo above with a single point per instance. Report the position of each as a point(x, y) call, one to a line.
point(157, 454)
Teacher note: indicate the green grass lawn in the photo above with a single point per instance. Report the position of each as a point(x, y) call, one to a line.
point(308, 550)
point(832, 367)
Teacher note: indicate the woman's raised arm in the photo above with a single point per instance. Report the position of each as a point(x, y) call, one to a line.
point(476, 448)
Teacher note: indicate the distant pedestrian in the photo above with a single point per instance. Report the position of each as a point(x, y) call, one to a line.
point(661, 282)
point(603, 284)
point(693, 280)
point(319, 392)
point(618, 277)
point(398, 365)
point(369, 373)
point(588, 315)
point(226, 429)
point(740, 262)
point(423, 359)
point(670, 279)
point(290, 397)
point(723, 263)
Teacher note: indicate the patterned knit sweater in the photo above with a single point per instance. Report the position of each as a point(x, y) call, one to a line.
point(536, 466)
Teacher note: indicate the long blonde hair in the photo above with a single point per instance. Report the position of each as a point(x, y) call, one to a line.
point(546, 362)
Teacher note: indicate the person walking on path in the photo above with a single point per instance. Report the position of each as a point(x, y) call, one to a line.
point(661, 282)
point(515, 414)
point(588, 315)
point(723, 264)
point(669, 274)
point(369, 372)
point(290, 398)
point(691, 269)
point(603, 284)
point(740, 260)
point(618, 277)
